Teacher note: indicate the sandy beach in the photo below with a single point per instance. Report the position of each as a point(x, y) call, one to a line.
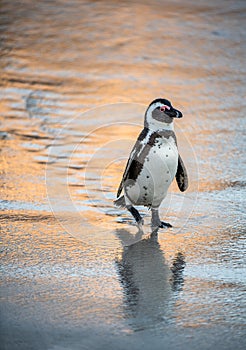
point(76, 78)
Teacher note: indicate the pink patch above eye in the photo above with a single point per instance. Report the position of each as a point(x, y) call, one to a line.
point(164, 107)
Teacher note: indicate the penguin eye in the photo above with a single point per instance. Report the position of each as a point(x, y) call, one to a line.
point(164, 107)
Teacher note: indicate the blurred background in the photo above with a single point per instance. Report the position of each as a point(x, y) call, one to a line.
point(76, 78)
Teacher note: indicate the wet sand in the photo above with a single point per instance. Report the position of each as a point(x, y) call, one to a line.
point(76, 78)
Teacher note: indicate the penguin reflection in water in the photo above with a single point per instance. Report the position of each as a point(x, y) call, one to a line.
point(151, 285)
point(153, 164)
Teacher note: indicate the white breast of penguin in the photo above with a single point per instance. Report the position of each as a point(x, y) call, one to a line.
point(158, 172)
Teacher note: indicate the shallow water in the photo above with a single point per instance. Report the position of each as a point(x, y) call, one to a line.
point(75, 81)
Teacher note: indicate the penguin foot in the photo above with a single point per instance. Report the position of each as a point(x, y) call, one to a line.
point(164, 224)
point(138, 218)
point(156, 222)
point(160, 224)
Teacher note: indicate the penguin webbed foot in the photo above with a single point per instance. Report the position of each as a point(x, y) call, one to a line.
point(164, 224)
point(135, 213)
point(161, 224)
point(156, 222)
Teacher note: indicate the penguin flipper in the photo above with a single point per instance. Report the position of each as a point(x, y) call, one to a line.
point(124, 177)
point(132, 161)
point(181, 176)
point(120, 188)
point(128, 167)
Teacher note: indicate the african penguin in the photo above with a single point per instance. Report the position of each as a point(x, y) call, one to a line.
point(153, 164)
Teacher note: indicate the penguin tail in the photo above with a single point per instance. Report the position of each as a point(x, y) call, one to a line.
point(120, 202)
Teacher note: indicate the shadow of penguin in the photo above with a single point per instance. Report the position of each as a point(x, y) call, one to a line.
point(150, 285)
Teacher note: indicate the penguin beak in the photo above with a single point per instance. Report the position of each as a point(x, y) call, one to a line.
point(174, 113)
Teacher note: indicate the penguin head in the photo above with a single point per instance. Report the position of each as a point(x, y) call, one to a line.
point(159, 115)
